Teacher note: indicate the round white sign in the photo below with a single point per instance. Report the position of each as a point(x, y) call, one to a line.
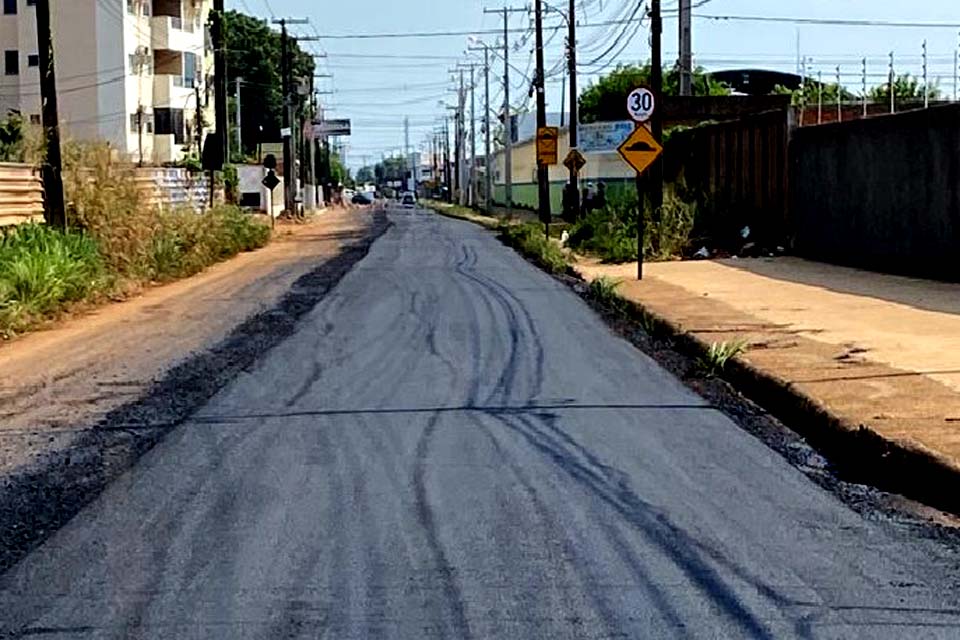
point(641, 104)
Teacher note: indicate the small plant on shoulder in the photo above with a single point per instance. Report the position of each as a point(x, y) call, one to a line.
point(603, 290)
point(714, 362)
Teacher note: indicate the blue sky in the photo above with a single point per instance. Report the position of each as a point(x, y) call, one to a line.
point(377, 89)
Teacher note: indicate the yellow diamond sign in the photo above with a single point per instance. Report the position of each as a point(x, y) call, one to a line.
point(640, 149)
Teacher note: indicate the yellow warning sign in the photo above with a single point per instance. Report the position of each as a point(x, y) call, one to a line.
point(640, 149)
point(547, 138)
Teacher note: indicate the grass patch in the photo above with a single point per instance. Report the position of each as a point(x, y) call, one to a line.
point(603, 291)
point(610, 233)
point(116, 239)
point(715, 360)
point(529, 239)
point(42, 270)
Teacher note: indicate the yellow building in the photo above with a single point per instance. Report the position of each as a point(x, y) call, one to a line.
point(606, 166)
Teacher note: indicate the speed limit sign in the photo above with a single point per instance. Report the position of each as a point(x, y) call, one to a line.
point(641, 104)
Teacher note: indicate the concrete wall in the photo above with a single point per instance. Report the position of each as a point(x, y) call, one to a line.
point(881, 193)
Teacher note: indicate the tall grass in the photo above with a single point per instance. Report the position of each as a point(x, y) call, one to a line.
point(529, 239)
point(611, 232)
point(41, 270)
point(116, 238)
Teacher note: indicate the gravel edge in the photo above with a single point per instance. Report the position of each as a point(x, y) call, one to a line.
point(37, 501)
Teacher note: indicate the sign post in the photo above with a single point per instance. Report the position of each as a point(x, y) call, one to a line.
point(547, 139)
point(640, 150)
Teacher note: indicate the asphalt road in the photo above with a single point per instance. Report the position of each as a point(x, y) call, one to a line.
point(454, 446)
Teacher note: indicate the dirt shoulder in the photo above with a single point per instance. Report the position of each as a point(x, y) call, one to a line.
point(861, 364)
point(80, 401)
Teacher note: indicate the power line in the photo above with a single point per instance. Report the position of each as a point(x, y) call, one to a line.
point(839, 22)
point(446, 34)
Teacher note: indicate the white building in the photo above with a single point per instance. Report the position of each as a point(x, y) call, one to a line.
point(128, 71)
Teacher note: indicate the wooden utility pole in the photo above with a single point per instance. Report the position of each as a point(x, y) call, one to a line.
point(220, 78)
point(239, 122)
point(686, 48)
point(573, 198)
point(507, 117)
point(56, 215)
point(487, 173)
point(543, 171)
point(653, 181)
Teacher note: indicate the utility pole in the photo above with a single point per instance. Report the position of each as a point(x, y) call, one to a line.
point(487, 173)
point(543, 171)
point(239, 130)
point(507, 119)
point(926, 94)
point(220, 77)
point(407, 168)
point(52, 167)
point(287, 137)
point(686, 48)
point(447, 174)
point(474, 188)
point(656, 121)
point(573, 198)
point(286, 77)
point(461, 144)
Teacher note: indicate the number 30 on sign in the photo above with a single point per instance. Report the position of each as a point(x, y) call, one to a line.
point(641, 104)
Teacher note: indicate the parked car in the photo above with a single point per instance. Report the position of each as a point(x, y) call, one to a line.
point(362, 199)
point(409, 201)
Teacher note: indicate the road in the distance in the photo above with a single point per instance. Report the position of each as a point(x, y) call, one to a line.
point(454, 446)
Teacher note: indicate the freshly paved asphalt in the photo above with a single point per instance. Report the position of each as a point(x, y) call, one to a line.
point(454, 446)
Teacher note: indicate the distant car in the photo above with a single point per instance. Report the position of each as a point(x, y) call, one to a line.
point(362, 198)
point(409, 201)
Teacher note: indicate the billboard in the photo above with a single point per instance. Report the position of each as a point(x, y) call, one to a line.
point(603, 137)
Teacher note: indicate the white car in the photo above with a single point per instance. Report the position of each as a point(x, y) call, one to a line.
point(409, 201)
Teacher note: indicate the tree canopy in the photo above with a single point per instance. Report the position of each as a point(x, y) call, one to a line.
point(809, 94)
point(605, 99)
point(905, 87)
point(253, 54)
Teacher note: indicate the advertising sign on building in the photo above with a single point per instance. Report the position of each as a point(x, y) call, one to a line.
point(603, 137)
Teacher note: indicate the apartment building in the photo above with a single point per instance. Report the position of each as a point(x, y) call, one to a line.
point(129, 72)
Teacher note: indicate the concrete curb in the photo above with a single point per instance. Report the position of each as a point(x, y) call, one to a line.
point(857, 453)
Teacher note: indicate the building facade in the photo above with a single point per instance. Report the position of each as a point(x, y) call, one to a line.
point(129, 72)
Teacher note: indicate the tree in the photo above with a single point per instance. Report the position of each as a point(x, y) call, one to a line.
point(810, 93)
point(365, 175)
point(906, 88)
point(253, 54)
point(605, 99)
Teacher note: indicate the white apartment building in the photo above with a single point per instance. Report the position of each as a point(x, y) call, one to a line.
point(129, 72)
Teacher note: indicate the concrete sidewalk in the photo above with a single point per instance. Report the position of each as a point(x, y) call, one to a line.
point(879, 353)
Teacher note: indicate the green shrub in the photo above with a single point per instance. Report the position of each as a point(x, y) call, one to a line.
point(604, 291)
point(42, 269)
point(611, 233)
point(529, 239)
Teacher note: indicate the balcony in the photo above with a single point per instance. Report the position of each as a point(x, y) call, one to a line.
point(169, 91)
point(168, 32)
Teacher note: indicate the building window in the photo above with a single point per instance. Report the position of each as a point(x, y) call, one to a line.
point(33, 60)
point(34, 118)
point(9, 7)
point(31, 3)
point(132, 7)
point(147, 120)
point(11, 63)
point(169, 122)
point(190, 70)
